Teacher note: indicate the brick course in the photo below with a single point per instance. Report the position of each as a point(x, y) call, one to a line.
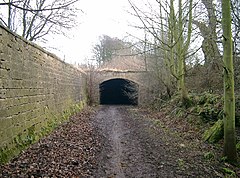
point(35, 86)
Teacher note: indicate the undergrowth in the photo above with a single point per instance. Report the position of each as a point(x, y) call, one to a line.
point(205, 110)
point(208, 106)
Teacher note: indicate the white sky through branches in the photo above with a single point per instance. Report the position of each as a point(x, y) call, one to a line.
point(102, 17)
point(99, 17)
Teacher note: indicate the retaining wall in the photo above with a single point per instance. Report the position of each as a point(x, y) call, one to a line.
point(36, 89)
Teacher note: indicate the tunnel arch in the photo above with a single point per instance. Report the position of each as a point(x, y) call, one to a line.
point(118, 91)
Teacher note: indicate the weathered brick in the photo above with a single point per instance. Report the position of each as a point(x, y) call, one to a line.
point(2, 93)
point(15, 130)
point(6, 122)
point(35, 86)
point(4, 73)
point(5, 136)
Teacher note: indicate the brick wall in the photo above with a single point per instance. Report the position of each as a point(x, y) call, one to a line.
point(35, 87)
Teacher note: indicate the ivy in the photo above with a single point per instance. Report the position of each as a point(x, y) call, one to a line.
point(208, 106)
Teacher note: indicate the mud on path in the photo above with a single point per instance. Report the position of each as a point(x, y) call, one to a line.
point(112, 142)
point(135, 146)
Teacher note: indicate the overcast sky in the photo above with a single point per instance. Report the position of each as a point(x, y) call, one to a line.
point(99, 17)
point(109, 17)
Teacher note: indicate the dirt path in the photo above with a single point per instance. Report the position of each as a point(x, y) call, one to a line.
point(134, 147)
point(112, 142)
point(122, 154)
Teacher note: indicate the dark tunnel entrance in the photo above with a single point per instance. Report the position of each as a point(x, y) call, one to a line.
point(118, 92)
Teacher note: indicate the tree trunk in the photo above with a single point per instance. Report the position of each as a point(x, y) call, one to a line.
point(215, 133)
point(181, 52)
point(9, 14)
point(172, 34)
point(208, 32)
point(229, 98)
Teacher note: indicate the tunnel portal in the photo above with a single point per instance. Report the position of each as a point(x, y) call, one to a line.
point(118, 92)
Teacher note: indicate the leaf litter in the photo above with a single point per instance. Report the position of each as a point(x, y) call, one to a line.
point(147, 145)
point(69, 151)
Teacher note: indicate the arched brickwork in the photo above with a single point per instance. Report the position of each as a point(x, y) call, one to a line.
point(134, 76)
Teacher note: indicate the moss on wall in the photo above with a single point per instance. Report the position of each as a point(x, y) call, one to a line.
point(37, 92)
point(32, 134)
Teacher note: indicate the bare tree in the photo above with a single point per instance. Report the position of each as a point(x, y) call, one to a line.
point(208, 30)
point(235, 6)
point(229, 95)
point(34, 19)
point(171, 33)
point(109, 47)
